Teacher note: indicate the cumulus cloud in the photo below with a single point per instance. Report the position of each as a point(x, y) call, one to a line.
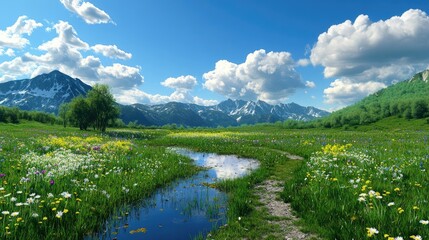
point(64, 53)
point(310, 84)
point(12, 37)
point(263, 76)
point(111, 51)
point(135, 95)
point(87, 11)
point(367, 52)
point(183, 82)
point(343, 91)
point(182, 86)
point(121, 76)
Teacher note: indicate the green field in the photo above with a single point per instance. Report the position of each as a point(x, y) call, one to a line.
point(366, 182)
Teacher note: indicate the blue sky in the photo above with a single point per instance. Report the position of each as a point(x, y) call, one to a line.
point(327, 54)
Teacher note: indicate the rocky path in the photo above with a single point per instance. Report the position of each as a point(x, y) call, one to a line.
point(268, 192)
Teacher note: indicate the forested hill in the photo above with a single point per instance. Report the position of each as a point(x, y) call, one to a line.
point(407, 99)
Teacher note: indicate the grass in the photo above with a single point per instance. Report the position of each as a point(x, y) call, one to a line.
point(368, 182)
point(53, 180)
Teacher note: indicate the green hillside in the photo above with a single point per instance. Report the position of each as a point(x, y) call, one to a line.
point(407, 99)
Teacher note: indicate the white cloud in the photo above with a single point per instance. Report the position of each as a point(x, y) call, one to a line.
point(16, 67)
point(12, 37)
point(204, 102)
point(182, 93)
point(136, 95)
point(303, 62)
point(183, 82)
point(344, 92)
point(310, 84)
point(263, 76)
point(64, 53)
point(111, 51)
point(367, 52)
point(121, 76)
point(87, 11)
point(9, 52)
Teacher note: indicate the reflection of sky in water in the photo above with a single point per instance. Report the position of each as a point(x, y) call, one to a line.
point(222, 166)
point(183, 209)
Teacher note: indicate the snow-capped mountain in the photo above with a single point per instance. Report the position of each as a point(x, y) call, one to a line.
point(226, 113)
point(45, 92)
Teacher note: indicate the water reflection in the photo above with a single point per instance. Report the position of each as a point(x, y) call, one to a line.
point(184, 209)
point(221, 166)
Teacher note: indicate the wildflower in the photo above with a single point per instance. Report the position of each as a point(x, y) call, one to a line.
point(415, 208)
point(14, 214)
point(5, 212)
point(371, 232)
point(397, 189)
point(45, 218)
point(59, 214)
point(398, 238)
point(400, 210)
point(424, 222)
point(35, 215)
point(361, 199)
point(416, 237)
point(66, 195)
point(391, 204)
point(50, 195)
point(66, 210)
point(51, 182)
point(2, 175)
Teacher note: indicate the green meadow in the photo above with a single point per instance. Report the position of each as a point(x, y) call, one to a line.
point(366, 182)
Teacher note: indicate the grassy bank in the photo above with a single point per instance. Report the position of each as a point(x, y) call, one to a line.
point(367, 182)
point(62, 184)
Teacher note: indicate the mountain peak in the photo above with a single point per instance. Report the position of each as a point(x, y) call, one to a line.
point(45, 92)
point(421, 76)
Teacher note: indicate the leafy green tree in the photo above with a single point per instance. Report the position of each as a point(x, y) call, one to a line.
point(103, 106)
point(64, 113)
point(419, 109)
point(80, 112)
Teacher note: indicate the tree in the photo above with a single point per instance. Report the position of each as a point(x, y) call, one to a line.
point(64, 113)
point(103, 106)
point(80, 112)
point(419, 109)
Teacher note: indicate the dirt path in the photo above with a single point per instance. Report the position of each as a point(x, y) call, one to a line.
point(281, 212)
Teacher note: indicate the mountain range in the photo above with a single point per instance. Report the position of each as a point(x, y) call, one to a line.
point(47, 92)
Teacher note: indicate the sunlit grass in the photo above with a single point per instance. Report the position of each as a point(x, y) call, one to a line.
point(56, 184)
point(350, 185)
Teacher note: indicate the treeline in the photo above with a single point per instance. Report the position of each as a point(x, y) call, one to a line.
point(14, 115)
point(408, 100)
point(98, 110)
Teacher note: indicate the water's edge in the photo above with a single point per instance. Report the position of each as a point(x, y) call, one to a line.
point(184, 209)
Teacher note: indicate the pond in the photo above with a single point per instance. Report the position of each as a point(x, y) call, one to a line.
point(184, 209)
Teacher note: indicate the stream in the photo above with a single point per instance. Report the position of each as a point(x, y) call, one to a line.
point(185, 209)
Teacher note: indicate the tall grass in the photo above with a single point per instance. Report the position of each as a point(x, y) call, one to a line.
point(58, 184)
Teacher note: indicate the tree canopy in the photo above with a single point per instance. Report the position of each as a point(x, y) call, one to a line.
point(96, 109)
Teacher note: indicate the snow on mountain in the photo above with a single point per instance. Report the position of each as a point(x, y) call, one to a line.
point(45, 92)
